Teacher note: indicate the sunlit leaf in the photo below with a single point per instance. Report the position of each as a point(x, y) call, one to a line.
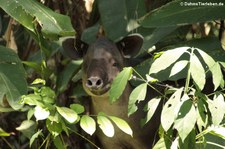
point(216, 107)
point(217, 75)
point(214, 67)
point(186, 119)
point(39, 81)
point(170, 110)
point(88, 124)
point(28, 128)
point(137, 95)
point(151, 108)
point(105, 125)
point(178, 67)
point(69, 114)
point(197, 72)
point(123, 125)
point(3, 133)
point(167, 59)
point(218, 131)
point(41, 113)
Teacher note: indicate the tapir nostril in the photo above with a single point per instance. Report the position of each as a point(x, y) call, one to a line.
point(99, 82)
point(94, 83)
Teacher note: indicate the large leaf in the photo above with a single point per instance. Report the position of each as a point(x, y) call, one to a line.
point(12, 68)
point(181, 12)
point(12, 78)
point(197, 71)
point(170, 110)
point(214, 67)
point(88, 124)
point(28, 11)
point(105, 125)
point(151, 108)
point(123, 125)
point(186, 119)
point(112, 18)
point(167, 59)
point(137, 95)
point(216, 108)
point(119, 84)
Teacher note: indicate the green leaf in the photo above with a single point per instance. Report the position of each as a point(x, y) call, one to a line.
point(58, 143)
point(69, 114)
point(167, 59)
point(201, 116)
point(170, 110)
point(197, 72)
point(12, 77)
point(162, 144)
point(178, 67)
point(66, 75)
point(216, 107)
point(11, 92)
point(35, 136)
point(217, 75)
point(88, 124)
point(32, 99)
point(105, 125)
point(186, 119)
point(28, 128)
point(151, 108)
point(118, 15)
point(47, 94)
point(137, 95)
point(3, 133)
point(153, 37)
point(52, 23)
point(119, 84)
point(77, 108)
point(54, 128)
point(217, 131)
point(39, 81)
point(214, 67)
point(123, 125)
point(41, 113)
point(178, 13)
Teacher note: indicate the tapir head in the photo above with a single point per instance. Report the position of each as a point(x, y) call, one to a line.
point(102, 60)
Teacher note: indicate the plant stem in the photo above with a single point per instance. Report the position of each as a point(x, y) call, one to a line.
point(85, 138)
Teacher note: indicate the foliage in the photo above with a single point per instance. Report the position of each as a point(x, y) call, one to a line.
point(184, 43)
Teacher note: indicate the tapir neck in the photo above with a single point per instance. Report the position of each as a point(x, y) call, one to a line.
point(120, 107)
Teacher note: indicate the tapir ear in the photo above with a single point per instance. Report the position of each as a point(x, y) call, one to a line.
point(130, 45)
point(74, 48)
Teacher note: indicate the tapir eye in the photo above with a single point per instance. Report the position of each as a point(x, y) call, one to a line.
point(115, 64)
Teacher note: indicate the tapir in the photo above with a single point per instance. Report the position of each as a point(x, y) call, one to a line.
point(102, 61)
